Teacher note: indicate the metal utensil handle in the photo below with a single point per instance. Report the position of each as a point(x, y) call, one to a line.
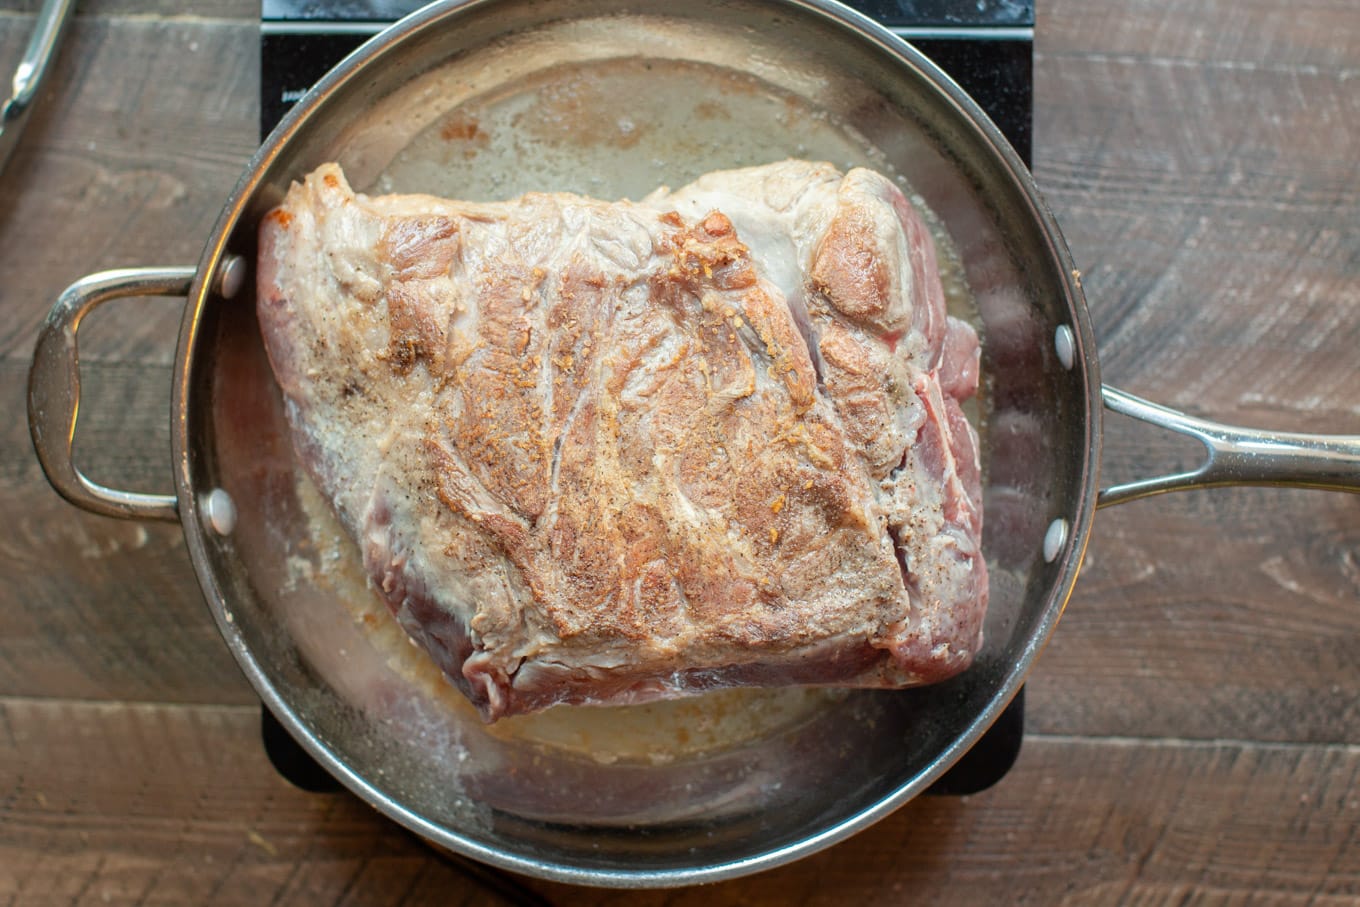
point(32, 69)
point(1239, 456)
point(54, 389)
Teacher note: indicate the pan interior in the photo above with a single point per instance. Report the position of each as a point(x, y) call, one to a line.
point(488, 100)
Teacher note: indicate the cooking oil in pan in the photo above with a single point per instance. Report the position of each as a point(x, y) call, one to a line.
point(593, 129)
point(655, 733)
point(587, 128)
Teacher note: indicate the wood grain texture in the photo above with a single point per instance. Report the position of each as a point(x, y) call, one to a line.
point(1194, 726)
point(1194, 159)
point(1253, 34)
point(1249, 634)
point(181, 807)
point(187, 10)
point(93, 607)
point(1223, 232)
point(170, 805)
point(142, 130)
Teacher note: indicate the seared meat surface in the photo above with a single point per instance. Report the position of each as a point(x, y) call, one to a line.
point(606, 452)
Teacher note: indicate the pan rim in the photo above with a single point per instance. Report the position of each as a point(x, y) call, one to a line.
point(1065, 566)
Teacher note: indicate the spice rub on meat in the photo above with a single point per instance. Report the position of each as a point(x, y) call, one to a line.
point(604, 452)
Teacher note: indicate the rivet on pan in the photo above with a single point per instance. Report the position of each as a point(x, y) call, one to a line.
point(231, 276)
point(1066, 346)
point(1054, 540)
point(220, 512)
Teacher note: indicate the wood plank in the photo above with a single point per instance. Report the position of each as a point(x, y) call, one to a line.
point(1215, 250)
point(93, 607)
point(1191, 152)
point(142, 131)
point(139, 136)
point(181, 807)
point(1214, 246)
point(177, 9)
point(1219, 614)
point(1221, 33)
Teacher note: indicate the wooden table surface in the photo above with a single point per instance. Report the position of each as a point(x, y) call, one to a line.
point(1193, 732)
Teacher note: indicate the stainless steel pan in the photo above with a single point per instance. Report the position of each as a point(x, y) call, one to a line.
point(487, 98)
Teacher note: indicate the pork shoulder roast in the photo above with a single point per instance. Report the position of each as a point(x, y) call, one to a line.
point(606, 452)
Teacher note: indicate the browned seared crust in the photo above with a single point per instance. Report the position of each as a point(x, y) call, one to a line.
point(620, 452)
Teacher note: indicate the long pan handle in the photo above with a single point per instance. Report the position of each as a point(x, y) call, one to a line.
point(1238, 456)
point(32, 69)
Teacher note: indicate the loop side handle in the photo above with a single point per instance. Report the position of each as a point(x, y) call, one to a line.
point(1238, 456)
point(54, 389)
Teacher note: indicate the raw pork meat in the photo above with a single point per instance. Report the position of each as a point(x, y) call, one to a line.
point(607, 452)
